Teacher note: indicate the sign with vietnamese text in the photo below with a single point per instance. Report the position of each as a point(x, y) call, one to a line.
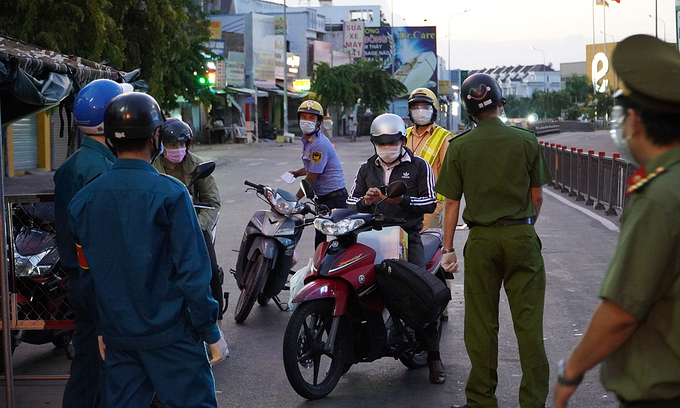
point(217, 47)
point(353, 39)
point(215, 30)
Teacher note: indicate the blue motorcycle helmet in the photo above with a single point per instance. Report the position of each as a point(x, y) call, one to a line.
point(90, 105)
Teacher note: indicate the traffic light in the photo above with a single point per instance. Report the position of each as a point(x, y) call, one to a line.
point(210, 76)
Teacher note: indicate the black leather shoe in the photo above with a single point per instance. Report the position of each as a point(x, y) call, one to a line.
point(437, 373)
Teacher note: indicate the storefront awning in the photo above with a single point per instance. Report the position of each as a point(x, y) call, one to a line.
point(234, 103)
point(33, 79)
point(279, 91)
point(246, 91)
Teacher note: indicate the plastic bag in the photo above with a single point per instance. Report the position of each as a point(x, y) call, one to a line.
point(296, 282)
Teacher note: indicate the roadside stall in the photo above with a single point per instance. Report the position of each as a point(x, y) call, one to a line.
point(33, 80)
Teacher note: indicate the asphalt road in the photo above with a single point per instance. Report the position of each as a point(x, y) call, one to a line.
point(577, 246)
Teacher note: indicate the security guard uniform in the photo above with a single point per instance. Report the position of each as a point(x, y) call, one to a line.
point(496, 166)
point(319, 156)
point(141, 240)
point(86, 384)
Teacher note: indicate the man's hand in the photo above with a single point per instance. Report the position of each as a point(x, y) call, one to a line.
point(372, 195)
point(102, 347)
point(219, 351)
point(450, 262)
point(562, 393)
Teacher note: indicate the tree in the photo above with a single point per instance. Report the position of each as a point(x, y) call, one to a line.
point(579, 87)
point(378, 87)
point(550, 104)
point(335, 86)
point(162, 37)
point(517, 107)
point(365, 82)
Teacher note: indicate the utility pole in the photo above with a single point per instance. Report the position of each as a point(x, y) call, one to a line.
point(285, 71)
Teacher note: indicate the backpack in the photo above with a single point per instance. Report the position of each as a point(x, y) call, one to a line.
point(411, 293)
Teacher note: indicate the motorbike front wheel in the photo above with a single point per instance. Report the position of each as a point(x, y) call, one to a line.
point(254, 280)
point(312, 369)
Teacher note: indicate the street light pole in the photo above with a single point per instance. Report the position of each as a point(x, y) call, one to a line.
point(456, 14)
point(285, 71)
point(543, 69)
point(613, 39)
point(664, 26)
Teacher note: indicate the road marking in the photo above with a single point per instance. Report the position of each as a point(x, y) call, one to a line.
point(608, 224)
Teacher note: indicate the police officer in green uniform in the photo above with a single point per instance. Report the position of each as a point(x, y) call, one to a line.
point(500, 169)
point(636, 330)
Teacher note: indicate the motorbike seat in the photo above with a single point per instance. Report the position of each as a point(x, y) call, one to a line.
point(432, 240)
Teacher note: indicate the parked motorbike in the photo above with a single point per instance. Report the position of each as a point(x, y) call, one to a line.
point(341, 317)
point(40, 284)
point(265, 257)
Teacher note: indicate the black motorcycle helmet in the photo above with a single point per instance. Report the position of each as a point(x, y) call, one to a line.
point(133, 115)
point(480, 91)
point(176, 131)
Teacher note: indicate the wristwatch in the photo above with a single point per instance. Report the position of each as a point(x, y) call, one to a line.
point(562, 380)
point(449, 251)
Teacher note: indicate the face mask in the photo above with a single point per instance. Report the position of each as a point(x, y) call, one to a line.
point(307, 127)
point(388, 154)
point(175, 155)
point(421, 117)
point(617, 133)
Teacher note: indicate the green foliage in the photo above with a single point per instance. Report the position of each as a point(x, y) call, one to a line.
point(365, 82)
point(162, 37)
point(517, 107)
point(550, 104)
point(579, 87)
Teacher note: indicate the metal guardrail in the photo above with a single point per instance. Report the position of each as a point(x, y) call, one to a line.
point(545, 127)
point(594, 178)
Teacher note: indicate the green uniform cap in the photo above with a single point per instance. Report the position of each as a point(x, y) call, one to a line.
point(650, 71)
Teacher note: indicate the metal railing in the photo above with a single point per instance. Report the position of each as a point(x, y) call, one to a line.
point(594, 178)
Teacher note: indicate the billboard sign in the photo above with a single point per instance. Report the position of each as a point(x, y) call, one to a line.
point(354, 38)
point(415, 57)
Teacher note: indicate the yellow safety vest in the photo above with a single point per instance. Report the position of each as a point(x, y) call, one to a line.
point(431, 149)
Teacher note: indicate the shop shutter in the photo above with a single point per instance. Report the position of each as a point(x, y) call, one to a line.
point(26, 143)
point(59, 144)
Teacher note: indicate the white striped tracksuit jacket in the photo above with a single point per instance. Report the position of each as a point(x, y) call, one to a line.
point(420, 197)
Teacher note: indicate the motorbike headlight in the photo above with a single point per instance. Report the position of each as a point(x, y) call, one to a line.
point(283, 206)
point(27, 266)
point(342, 227)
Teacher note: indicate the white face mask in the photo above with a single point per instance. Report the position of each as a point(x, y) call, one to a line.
point(388, 154)
point(421, 117)
point(617, 133)
point(307, 127)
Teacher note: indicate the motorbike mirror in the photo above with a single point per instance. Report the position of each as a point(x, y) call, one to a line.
point(307, 188)
point(202, 171)
point(395, 189)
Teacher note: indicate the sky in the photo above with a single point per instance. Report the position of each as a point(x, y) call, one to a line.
point(501, 32)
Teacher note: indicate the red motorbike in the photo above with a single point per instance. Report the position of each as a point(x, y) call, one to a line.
point(341, 317)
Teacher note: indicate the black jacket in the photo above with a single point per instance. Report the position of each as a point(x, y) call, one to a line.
point(419, 198)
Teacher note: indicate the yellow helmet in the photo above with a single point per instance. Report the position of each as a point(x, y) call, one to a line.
point(423, 95)
point(312, 107)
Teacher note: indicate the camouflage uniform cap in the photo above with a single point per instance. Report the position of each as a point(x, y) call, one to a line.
point(650, 71)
